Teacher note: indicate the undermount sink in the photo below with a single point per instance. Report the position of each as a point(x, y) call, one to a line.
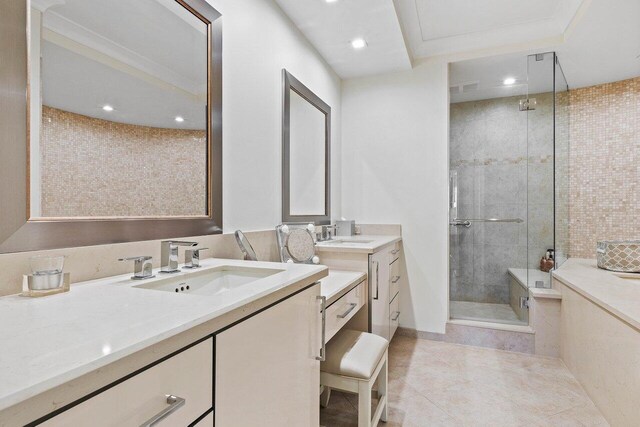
point(347, 241)
point(210, 282)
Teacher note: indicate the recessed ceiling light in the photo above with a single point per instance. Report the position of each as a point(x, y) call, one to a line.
point(179, 119)
point(509, 81)
point(358, 43)
point(331, 1)
point(107, 107)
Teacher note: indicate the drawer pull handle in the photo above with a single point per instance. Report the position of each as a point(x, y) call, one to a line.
point(377, 279)
point(323, 344)
point(174, 403)
point(395, 279)
point(395, 251)
point(349, 310)
point(397, 316)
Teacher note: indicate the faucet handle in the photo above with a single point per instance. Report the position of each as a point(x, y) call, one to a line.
point(142, 266)
point(192, 257)
point(169, 255)
point(179, 243)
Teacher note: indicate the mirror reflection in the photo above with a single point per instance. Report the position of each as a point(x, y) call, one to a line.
point(118, 109)
point(306, 157)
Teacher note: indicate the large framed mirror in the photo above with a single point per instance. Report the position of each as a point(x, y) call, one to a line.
point(306, 159)
point(123, 130)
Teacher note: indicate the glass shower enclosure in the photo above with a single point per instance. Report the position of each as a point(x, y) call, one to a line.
point(508, 163)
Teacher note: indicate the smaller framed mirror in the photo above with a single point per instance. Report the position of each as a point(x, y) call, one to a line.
point(306, 159)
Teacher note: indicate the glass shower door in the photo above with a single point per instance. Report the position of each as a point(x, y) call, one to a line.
point(488, 205)
point(509, 159)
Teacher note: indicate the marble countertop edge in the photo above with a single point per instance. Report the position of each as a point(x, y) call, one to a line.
point(377, 242)
point(618, 296)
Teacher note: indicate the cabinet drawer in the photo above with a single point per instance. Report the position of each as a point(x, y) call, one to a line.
point(394, 281)
point(394, 252)
point(188, 375)
point(394, 316)
point(341, 311)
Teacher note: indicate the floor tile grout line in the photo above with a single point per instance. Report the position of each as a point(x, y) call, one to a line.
point(567, 409)
point(434, 403)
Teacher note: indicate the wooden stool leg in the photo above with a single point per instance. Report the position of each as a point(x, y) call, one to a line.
point(383, 379)
point(324, 397)
point(364, 403)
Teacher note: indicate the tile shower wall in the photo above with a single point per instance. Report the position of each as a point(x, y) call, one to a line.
point(605, 159)
point(500, 167)
point(92, 167)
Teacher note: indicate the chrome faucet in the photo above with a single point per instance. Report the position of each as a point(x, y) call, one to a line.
point(169, 255)
point(143, 267)
point(327, 232)
point(192, 257)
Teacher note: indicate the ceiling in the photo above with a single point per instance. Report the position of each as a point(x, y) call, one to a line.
point(147, 59)
point(330, 27)
point(483, 78)
point(597, 41)
point(605, 44)
point(437, 27)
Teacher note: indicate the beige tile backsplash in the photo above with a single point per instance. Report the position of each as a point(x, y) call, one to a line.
point(605, 165)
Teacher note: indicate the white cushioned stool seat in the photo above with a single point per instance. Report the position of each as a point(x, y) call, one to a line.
point(354, 362)
point(354, 354)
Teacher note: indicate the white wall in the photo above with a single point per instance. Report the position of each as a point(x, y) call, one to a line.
point(395, 160)
point(258, 42)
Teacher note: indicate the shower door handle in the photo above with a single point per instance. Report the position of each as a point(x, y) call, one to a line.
point(460, 223)
point(467, 222)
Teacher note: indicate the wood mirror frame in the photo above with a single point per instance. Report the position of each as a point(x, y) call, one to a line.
point(19, 233)
point(290, 83)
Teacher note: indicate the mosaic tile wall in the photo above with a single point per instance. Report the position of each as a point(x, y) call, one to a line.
point(605, 165)
point(92, 167)
point(504, 166)
point(562, 175)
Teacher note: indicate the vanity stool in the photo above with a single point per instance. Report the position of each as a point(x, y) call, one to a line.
point(354, 361)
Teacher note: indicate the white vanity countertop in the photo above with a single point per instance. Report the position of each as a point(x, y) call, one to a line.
point(52, 340)
point(339, 282)
point(369, 244)
point(616, 295)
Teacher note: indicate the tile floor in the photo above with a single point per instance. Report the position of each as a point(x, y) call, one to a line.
point(486, 312)
point(441, 384)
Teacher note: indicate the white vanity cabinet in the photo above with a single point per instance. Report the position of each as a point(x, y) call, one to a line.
point(379, 293)
point(267, 372)
point(384, 274)
point(188, 375)
point(263, 370)
point(380, 256)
